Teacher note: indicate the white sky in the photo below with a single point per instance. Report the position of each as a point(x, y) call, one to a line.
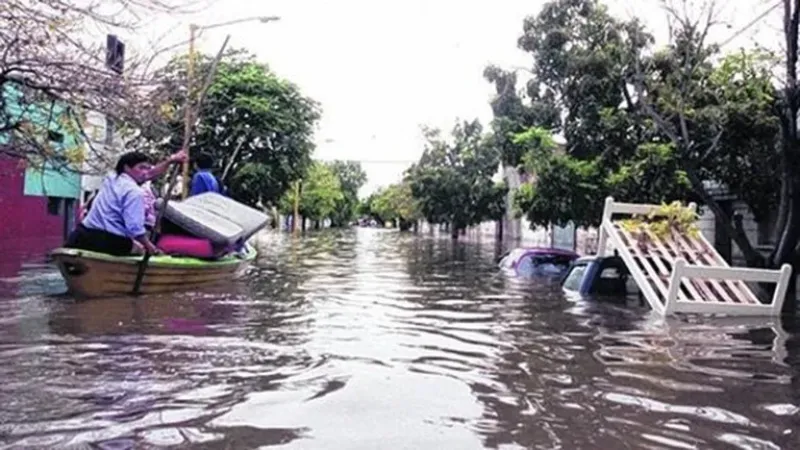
point(382, 71)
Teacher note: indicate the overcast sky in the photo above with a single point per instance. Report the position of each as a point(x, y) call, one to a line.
point(381, 69)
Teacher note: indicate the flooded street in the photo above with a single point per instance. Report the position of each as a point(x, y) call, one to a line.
point(369, 339)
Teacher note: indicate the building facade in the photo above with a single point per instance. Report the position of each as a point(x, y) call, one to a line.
point(38, 201)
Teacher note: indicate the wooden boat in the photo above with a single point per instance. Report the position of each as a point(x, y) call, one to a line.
point(91, 274)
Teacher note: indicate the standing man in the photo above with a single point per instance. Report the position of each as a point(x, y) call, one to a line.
point(203, 180)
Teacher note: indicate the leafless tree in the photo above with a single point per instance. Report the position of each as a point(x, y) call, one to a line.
point(51, 73)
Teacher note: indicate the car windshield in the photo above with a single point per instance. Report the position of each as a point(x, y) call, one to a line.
point(573, 279)
point(511, 258)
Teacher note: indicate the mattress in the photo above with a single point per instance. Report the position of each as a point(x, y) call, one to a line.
point(250, 220)
point(203, 223)
point(215, 217)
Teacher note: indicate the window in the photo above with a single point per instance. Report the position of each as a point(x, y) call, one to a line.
point(551, 264)
point(525, 266)
point(610, 273)
point(55, 136)
point(574, 278)
point(109, 131)
point(53, 206)
point(611, 280)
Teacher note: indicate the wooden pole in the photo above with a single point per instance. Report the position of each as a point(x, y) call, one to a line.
point(188, 114)
point(187, 137)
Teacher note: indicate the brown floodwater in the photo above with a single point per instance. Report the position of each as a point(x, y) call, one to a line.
point(368, 339)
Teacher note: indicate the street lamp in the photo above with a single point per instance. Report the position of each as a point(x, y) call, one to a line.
point(193, 29)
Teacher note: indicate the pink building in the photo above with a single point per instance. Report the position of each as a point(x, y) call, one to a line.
point(32, 224)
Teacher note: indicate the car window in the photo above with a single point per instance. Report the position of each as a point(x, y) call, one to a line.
point(611, 280)
point(610, 273)
point(525, 265)
point(573, 279)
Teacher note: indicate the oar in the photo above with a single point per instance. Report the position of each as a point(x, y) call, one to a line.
point(137, 284)
point(187, 137)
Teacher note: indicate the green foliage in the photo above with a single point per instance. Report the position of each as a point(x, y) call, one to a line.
point(395, 203)
point(747, 160)
point(351, 178)
point(566, 189)
point(513, 116)
point(452, 182)
point(364, 208)
point(662, 222)
point(581, 55)
point(254, 123)
point(652, 175)
point(585, 68)
point(319, 194)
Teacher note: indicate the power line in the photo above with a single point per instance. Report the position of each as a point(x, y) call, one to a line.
point(753, 22)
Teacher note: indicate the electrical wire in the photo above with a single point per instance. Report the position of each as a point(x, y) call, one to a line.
point(753, 22)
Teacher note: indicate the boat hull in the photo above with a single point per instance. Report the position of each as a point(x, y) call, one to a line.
point(90, 274)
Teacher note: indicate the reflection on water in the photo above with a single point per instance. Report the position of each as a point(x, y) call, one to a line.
point(370, 339)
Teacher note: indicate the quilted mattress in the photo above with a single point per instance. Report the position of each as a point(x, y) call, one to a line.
point(250, 220)
point(215, 217)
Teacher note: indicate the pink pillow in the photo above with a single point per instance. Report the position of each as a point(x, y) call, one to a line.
point(173, 244)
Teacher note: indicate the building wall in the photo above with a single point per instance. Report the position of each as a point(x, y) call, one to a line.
point(48, 180)
point(102, 148)
point(38, 202)
point(32, 223)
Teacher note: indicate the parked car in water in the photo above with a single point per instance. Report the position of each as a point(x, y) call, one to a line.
point(601, 277)
point(537, 262)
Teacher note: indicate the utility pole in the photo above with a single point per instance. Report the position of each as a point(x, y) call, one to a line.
point(189, 103)
point(296, 218)
point(193, 30)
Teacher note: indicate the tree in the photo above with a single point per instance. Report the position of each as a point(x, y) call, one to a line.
point(257, 126)
point(364, 208)
point(50, 75)
point(452, 182)
point(581, 58)
point(657, 125)
point(319, 194)
point(724, 122)
point(396, 204)
point(351, 177)
point(512, 116)
point(613, 134)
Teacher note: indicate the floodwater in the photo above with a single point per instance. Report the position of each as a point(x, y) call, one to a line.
point(369, 339)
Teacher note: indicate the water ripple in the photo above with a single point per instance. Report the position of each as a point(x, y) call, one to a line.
point(374, 339)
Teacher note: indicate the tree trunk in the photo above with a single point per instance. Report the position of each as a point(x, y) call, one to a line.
point(317, 224)
point(499, 230)
point(786, 247)
point(304, 224)
point(454, 232)
point(733, 228)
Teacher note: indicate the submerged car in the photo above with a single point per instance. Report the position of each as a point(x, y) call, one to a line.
point(601, 277)
point(537, 262)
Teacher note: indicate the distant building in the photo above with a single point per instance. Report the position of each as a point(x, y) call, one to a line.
point(518, 229)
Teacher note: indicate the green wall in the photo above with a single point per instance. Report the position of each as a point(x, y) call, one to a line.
point(49, 181)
